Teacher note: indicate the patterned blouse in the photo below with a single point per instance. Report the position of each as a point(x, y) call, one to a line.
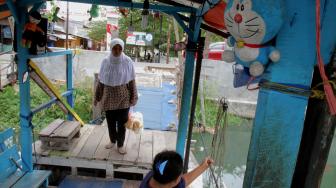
point(116, 97)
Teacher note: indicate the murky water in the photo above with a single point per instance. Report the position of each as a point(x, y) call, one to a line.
point(234, 160)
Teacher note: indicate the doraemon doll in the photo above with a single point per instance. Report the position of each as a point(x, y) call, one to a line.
point(253, 24)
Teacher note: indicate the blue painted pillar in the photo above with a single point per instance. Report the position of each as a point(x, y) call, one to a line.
point(187, 91)
point(69, 82)
point(26, 137)
point(280, 117)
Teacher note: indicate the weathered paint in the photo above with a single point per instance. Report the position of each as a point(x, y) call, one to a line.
point(187, 90)
point(25, 113)
point(69, 83)
point(317, 137)
point(280, 117)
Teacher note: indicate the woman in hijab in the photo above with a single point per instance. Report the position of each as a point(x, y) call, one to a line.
point(117, 92)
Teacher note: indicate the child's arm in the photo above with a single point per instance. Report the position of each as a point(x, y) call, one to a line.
point(192, 175)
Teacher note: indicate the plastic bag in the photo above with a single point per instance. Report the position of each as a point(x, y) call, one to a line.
point(135, 122)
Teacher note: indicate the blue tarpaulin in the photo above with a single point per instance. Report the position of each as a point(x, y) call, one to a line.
point(155, 105)
point(81, 182)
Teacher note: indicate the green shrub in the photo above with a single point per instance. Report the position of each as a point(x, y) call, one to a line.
point(10, 102)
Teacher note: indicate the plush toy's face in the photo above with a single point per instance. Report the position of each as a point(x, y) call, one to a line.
point(243, 23)
point(253, 21)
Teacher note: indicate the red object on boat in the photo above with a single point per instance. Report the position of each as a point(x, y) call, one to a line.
point(215, 50)
point(215, 16)
point(215, 55)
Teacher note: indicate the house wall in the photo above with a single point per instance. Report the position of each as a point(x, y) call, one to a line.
point(72, 43)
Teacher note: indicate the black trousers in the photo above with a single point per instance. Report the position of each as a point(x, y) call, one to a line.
point(115, 123)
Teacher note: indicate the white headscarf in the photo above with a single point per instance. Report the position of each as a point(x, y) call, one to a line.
point(116, 71)
point(114, 42)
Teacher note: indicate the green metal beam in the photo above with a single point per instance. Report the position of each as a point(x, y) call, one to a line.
point(182, 24)
point(156, 7)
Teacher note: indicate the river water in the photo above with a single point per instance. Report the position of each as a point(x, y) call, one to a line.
point(237, 145)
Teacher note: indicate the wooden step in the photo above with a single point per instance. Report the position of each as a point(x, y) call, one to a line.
point(58, 135)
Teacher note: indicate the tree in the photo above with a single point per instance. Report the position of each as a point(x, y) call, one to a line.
point(97, 30)
point(50, 15)
point(159, 39)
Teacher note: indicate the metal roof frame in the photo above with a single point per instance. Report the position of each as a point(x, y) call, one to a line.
point(19, 10)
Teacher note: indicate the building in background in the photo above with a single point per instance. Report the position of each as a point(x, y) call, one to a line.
point(77, 38)
point(78, 30)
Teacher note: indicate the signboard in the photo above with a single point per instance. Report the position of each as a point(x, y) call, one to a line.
point(139, 38)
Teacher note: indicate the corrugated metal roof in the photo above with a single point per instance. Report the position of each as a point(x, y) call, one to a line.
point(62, 36)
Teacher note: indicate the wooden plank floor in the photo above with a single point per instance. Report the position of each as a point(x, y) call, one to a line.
point(88, 151)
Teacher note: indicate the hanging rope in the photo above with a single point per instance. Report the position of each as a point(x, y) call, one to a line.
point(218, 140)
point(320, 94)
point(331, 99)
point(293, 89)
point(297, 89)
point(217, 145)
point(207, 154)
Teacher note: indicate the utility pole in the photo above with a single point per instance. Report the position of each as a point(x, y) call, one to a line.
point(168, 43)
point(161, 17)
point(201, 84)
point(67, 27)
point(177, 39)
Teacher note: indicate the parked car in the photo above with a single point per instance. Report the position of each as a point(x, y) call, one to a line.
point(216, 50)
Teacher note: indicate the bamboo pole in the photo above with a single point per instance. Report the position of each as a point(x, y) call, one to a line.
point(201, 86)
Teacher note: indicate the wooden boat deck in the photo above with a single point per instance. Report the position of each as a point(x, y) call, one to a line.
point(88, 151)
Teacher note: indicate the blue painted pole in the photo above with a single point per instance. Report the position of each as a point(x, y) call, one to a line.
point(280, 117)
point(26, 137)
point(187, 91)
point(69, 82)
point(49, 103)
point(51, 54)
point(182, 24)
